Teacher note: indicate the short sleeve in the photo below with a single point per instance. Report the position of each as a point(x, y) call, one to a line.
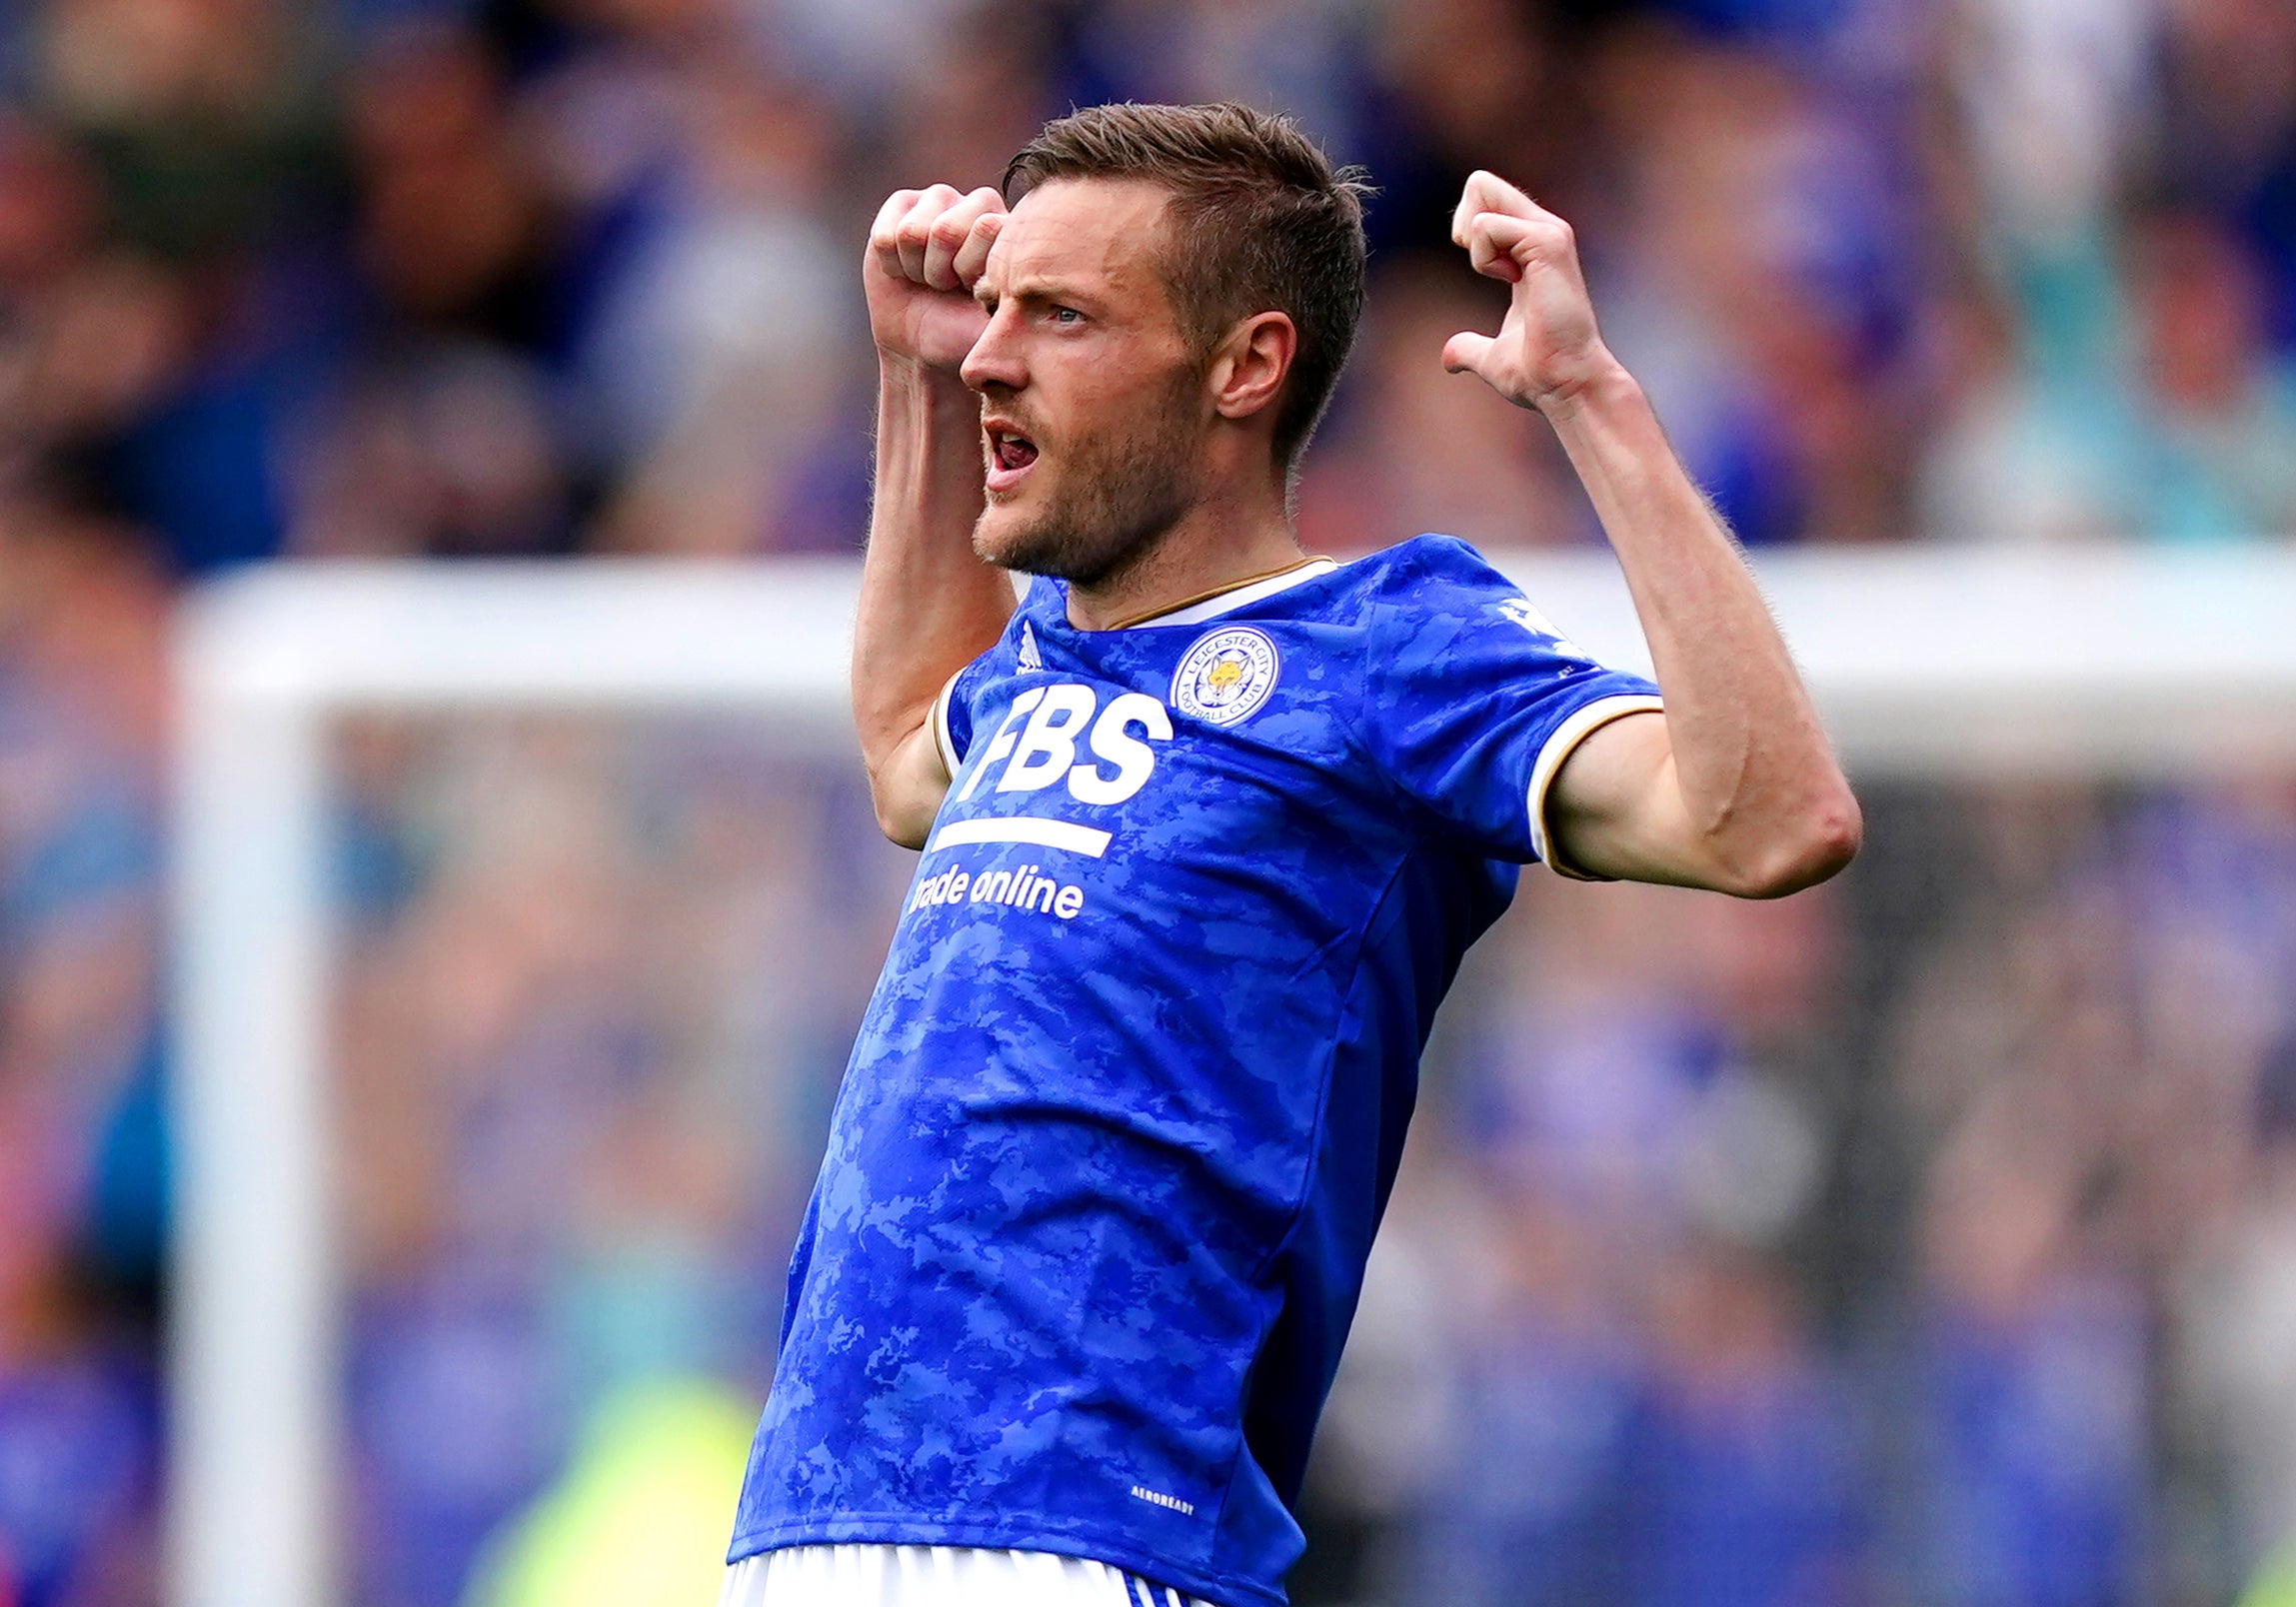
point(1476, 701)
point(953, 715)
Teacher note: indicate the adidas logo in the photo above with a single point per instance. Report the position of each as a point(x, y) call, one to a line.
point(1030, 658)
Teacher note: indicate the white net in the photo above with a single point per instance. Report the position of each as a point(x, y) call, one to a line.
point(1882, 1237)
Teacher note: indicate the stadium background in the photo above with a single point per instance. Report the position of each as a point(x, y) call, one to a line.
point(1928, 1239)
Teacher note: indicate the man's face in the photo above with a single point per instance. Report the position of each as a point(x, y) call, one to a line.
point(1093, 405)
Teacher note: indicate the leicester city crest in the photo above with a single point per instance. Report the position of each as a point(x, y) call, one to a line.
point(1225, 676)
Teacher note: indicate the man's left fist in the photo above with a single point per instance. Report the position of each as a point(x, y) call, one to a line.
point(1547, 349)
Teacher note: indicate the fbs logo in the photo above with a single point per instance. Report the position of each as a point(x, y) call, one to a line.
point(1045, 750)
point(1225, 676)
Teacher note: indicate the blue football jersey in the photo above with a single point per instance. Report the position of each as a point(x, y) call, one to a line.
point(1128, 1098)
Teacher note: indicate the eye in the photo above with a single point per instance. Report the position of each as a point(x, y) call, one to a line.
point(1067, 315)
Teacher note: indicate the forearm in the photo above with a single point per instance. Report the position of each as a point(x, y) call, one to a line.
point(1758, 782)
point(927, 605)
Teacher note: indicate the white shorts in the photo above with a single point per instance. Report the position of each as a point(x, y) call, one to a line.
point(934, 1576)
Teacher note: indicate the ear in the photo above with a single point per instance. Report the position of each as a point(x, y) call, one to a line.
point(1248, 367)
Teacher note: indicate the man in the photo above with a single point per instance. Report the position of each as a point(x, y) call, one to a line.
point(1207, 827)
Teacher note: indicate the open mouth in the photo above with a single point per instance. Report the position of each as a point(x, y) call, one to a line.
point(1010, 456)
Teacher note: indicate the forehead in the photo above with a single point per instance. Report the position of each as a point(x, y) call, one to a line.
point(1105, 233)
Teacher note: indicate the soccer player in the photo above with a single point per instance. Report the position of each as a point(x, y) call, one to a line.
point(1206, 825)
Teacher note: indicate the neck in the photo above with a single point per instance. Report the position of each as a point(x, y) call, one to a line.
point(1221, 541)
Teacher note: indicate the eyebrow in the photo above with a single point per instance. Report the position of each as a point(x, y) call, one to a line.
point(1032, 292)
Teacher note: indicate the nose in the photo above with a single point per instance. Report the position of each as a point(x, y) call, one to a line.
point(995, 357)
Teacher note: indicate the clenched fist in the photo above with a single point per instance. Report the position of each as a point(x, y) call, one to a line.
point(1548, 349)
point(926, 250)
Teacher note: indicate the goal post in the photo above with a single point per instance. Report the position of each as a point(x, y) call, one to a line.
point(264, 661)
point(1926, 664)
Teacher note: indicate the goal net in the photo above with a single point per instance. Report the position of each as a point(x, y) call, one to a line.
point(522, 914)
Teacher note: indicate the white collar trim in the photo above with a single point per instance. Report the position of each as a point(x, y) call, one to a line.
point(1212, 608)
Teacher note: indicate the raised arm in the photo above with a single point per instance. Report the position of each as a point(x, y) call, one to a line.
point(1733, 786)
point(928, 606)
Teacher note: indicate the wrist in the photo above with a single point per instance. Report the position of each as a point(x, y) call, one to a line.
point(900, 377)
point(927, 437)
point(1601, 382)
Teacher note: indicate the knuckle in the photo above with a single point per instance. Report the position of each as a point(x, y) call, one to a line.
point(949, 231)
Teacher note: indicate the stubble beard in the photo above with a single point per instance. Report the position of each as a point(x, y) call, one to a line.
point(1119, 495)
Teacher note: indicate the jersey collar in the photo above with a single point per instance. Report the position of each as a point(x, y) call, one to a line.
point(1197, 610)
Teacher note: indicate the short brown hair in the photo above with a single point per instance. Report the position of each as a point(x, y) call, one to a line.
point(1261, 221)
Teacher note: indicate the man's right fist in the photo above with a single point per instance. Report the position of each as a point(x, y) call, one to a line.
point(925, 252)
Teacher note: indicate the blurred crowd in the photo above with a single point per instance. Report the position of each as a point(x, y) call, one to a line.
point(506, 277)
point(1928, 1238)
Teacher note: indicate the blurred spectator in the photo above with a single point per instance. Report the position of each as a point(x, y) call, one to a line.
point(1414, 448)
point(721, 351)
point(1756, 286)
point(2037, 1383)
point(437, 436)
point(453, 1351)
point(205, 115)
point(1531, 1497)
point(1297, 54)
point(2243, 1315)
point(1745, 1473)
point(1458, 84)
point(2192, 437)
point(2224, 421)
point(2228, 135)
point(82, 616)
point(2052, 95)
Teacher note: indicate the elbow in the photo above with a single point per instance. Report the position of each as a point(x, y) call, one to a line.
point(1829, 841)
point(1814, 847)
point(903, 814)
point(901, 825)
